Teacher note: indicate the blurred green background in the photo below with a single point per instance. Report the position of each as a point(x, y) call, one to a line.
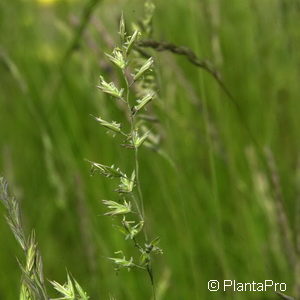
point(223, 209)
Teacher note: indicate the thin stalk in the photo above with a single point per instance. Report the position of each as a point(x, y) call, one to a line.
point(138, 185)
point(141, 210)
point(148, 268)
point(150, 273)
point(136, 161)
point(137, 207)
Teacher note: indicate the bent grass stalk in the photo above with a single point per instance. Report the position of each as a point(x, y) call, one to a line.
point(130, 186)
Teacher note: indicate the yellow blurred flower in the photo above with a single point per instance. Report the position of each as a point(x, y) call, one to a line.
point(47, 2)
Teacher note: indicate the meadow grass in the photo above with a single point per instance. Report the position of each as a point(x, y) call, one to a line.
point(212, 201)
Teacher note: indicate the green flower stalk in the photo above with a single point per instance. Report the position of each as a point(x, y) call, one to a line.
point(129, 192)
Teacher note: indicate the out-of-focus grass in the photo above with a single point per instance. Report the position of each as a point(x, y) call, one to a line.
point(214, 209)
